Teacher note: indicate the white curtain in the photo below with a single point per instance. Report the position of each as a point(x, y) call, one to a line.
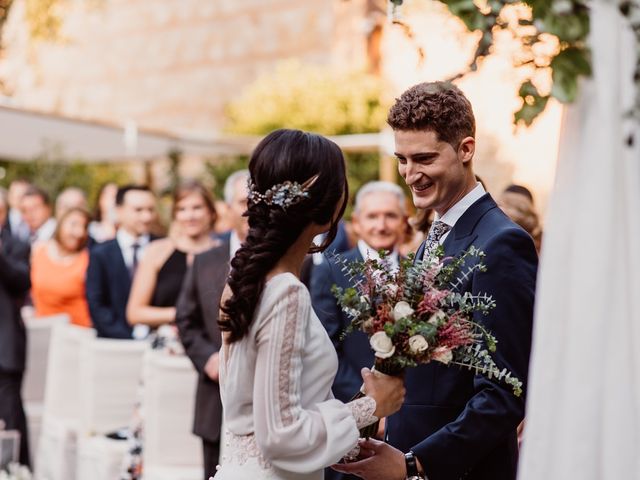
point(583, 417)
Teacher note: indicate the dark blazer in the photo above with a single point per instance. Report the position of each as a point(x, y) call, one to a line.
point(354, 351)
point(14, 285)
point(197, 320)
point(108, 286)
point(460, 425)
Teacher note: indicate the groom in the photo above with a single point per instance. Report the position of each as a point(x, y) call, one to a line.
point(456, 425)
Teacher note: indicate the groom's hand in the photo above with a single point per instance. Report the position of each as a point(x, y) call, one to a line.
point(379, 461)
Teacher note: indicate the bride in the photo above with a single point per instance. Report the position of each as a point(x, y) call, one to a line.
point(277, 363)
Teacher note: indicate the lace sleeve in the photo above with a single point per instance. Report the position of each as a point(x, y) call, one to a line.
point(362, 410)
point(290, 436)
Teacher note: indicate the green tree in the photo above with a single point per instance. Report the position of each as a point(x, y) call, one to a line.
point(312, 98)
point(54, 175)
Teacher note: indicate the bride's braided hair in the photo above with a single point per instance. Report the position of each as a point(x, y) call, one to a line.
point(282, 157)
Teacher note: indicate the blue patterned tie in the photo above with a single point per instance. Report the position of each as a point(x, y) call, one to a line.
point(437, 230)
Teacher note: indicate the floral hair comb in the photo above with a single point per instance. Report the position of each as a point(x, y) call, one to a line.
point(283, 195)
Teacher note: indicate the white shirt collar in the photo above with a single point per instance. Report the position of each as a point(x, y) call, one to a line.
point(452, 215)
point(126, 240)
point(45, 232)
point(367, 252)
point(234, 243)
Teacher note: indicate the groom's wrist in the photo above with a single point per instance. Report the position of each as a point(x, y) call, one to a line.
point(414, 470)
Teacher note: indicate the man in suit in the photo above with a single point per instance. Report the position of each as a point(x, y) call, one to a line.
point(112, 264)
point(197, 319)
point(379, 220)
point(35, 208)
point(15, 223)
point(14, 286)
point(456, 425)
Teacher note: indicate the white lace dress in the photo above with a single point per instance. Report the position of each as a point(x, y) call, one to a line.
point(281, 419)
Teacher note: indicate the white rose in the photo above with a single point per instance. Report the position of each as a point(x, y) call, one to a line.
point(392, 289)
point(382, 345)
point(442, 355)
point(401, 310)
point(418, 344)
point(365, 299)
point(437, 317)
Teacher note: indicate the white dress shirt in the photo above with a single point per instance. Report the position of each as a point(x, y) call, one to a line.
point(452, 215)
point(234, 244)
point(126, 241)
point(45, 232)
point(19, 229)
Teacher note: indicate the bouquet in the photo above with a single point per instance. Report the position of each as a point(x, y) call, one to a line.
point(416, 314)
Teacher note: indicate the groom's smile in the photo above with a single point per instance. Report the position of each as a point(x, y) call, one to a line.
point(433, 169)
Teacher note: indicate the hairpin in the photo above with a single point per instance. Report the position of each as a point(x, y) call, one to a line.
point(284, 194)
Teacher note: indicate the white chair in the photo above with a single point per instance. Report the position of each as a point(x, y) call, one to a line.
point(110, 375)
point(56, 453)
point(38, 341)
point(171, 451)
point(100, 458)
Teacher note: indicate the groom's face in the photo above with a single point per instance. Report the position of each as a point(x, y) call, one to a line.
point(437, 174)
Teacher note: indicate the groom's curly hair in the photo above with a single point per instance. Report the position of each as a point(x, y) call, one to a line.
point(440, 107)
point(283, 155)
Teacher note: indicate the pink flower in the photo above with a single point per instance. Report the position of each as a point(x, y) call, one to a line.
point(442, 355)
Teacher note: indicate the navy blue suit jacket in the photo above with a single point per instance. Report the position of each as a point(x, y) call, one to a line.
point(14, 286)
point(462, 425)
point(354, 351)
point(108, 286)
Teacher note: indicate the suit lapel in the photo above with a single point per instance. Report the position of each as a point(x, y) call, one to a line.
point(463, 233)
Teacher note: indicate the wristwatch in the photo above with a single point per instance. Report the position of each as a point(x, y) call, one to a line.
point(412, 467)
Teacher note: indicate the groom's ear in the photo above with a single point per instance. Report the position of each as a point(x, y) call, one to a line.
point(467, 149)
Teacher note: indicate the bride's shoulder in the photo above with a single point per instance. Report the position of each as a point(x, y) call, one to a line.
point(284, 287)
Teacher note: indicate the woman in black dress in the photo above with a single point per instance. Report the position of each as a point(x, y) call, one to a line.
point(159, 275)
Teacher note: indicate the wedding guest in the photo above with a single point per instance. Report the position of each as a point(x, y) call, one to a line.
point(517, 202)
point(112, 264)
point(35, 209)
point(378, 219)
point(455, 424)
point(16, 224)
point(197, 319)
point(160, 273)
point(104, 225)
point(59, 268)
point(4, 210)
point(70, 197)
point(14, 286)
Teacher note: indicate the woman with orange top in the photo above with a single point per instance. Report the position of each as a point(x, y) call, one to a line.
point(58, 268)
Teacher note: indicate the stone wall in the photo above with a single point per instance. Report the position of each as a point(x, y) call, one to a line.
point(170, 64)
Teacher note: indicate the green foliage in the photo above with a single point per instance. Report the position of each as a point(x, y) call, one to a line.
point(312, 98)
point(567, 20)
point(54, 175)
point(44, 18)
point(219, 170)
